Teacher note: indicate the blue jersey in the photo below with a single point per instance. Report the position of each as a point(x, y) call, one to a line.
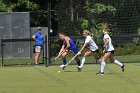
point(39, 39)
point(73, 48)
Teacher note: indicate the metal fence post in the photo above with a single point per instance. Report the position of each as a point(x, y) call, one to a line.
point(2, 45)
point(48, 35)
point(47, 50)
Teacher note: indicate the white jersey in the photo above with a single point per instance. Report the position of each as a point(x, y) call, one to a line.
point(91, 44)
point(109, 46)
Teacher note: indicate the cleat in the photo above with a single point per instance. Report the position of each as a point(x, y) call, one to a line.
point(123, 67)
point(64, 67)
point(101, 73)
point(79, 69)
point(37, 65)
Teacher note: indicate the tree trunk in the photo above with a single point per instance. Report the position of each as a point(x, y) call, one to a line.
point(72, 10)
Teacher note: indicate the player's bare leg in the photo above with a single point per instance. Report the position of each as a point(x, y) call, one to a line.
point(37, 54)
point(106, 55)
point(112, 60)
point(84, 58)
point(97, 58)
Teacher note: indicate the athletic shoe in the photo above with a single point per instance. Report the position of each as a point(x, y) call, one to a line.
point(79, 69)
point(63, 66)
point(101, 73)
point(123, 67)
point(37, 65)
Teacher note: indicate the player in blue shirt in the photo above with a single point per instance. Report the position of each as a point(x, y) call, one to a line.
point(38, 37)
point(68, 45)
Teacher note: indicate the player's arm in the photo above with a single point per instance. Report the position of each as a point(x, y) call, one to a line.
point(83, 47)
point(62, 48)
point(67, 44)
point(106, 42)
point(85, 44)
point(34, 37)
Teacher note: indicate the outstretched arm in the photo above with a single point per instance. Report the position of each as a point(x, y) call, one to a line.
point(83, 47)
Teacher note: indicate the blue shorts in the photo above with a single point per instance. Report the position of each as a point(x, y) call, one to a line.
point(74, 50)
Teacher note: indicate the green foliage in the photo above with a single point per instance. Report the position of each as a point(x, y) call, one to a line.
point(127, 50)
point(136, 40)
point(98, 8)
point(92, 26)
point(72, 16)
point(28, 4)
point(97, 11)
point(39, 17)
point(11, 6)
point(84, 23)
point(2, 7)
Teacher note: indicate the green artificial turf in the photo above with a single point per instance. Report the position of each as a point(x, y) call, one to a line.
point(48, 80)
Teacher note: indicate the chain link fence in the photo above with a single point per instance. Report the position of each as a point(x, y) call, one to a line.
point(16, 43)
point(127, 48)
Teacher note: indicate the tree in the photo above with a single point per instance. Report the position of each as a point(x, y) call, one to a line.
point(122, 15)
point(37, 8)
point(98, 14)
point(72, 16)
point(68, 13)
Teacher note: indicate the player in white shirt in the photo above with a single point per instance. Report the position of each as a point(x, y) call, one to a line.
point(108, 52)
point(91, 47)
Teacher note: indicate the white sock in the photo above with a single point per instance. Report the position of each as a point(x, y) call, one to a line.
point(83, 61)
point(102, 66)
point(118, 63)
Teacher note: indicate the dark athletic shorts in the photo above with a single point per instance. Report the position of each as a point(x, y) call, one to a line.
point(96, 51)
point(112, 52)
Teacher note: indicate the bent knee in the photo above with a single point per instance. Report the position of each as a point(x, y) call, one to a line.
point(103, 59)
point(86, 54)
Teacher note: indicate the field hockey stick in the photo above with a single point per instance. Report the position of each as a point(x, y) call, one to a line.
point(68, 63)
point(56, 57)
point(72, 59)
